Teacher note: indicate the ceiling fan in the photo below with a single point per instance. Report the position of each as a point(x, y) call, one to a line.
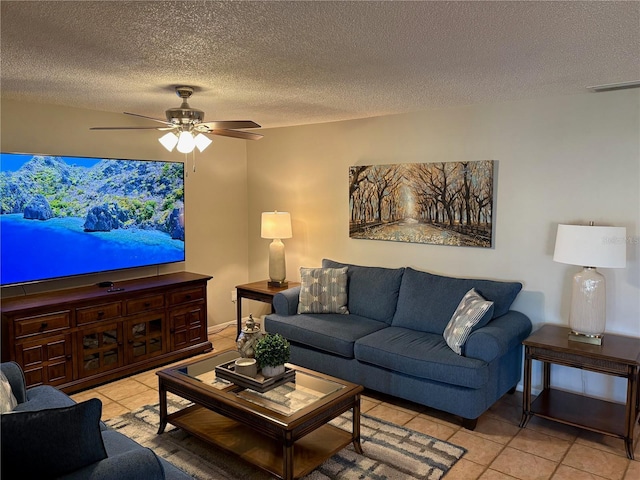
point(187, 129)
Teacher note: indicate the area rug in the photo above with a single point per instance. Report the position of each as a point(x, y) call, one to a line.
point(390, 452)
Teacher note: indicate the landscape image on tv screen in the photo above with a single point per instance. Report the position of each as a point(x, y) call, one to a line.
point(63, 216)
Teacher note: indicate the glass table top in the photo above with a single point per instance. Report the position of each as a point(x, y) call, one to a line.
point(285, 399)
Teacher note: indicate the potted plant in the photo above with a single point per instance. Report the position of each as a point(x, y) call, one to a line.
point(271, 352)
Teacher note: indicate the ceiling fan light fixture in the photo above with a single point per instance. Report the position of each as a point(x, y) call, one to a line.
point(169, 141)
point(202, 141)
point(186, 143)
point(188, 127)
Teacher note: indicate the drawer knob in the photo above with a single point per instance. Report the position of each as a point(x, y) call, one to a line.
point(100, 313)
point(43, 325)
point(188, 297)
point(147, 304)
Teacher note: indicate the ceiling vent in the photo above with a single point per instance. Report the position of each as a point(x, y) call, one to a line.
point(614, 86)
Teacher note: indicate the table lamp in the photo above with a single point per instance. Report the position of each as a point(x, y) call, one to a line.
point(591, 247)
point(276, 225)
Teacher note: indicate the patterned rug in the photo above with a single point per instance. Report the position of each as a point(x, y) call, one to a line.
point(390, 452)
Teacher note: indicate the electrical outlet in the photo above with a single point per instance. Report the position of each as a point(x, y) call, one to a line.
point(234, 296)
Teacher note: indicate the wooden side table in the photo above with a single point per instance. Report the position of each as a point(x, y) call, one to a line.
point(258, 291)
point(618, 356)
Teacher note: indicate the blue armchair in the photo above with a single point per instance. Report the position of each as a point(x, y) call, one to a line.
point(49, 435)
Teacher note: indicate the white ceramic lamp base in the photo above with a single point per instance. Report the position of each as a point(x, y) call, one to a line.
point(587, 319)
point(277, 264)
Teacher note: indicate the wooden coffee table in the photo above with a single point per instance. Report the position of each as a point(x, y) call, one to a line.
point(284, 431)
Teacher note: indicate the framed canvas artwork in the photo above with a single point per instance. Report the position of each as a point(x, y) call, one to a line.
point(444, 203)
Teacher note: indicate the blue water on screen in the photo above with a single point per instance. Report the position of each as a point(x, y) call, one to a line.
point(38, 250)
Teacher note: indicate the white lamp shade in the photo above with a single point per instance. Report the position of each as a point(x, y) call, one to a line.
point(202, 141)
point(169, 140)
point(591, 246)
point(276, 225)
point(186, 143)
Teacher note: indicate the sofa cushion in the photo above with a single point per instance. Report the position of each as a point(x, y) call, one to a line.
point(139, 463)
point(372, 291)
point(473, 312)
point(422, 355)
point(323, 290)
point(44, 396)
point(51, 442)
point(118, 444)
point(331, 332)
point(426, 301)
point(7, 399)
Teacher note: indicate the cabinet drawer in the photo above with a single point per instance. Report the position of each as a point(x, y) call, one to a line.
point(47, 322)
point(98, 313)
point(186, 295)
point(145, 303)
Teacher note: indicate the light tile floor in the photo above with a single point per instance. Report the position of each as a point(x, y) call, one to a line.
point(497, 449)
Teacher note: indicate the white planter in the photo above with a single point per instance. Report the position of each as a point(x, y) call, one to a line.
point(272, 371)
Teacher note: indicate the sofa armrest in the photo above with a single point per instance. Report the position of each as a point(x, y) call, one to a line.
point(498, 337)
point(286, 302)
point(130, 465)
point(14, 374)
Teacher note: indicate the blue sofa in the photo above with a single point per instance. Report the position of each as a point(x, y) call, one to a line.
point(48, 435)
point(391, 340)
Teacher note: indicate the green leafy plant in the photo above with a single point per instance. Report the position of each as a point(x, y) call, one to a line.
point(272, 350)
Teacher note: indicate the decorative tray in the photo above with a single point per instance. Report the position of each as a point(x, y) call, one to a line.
point(260, 383)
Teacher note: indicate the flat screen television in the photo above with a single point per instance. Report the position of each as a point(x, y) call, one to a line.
point(66, 216)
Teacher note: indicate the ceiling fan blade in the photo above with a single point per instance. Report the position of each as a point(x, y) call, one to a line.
point(130, 128)
point(235, 134)
point(230, 124)
point(148, 118)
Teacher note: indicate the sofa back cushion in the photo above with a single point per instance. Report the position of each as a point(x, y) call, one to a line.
point(372, 291)
point(426, 301)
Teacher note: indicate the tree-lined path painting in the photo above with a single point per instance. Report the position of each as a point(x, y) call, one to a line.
point(445, 203)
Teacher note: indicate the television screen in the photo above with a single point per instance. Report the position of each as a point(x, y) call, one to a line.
point(64, 216)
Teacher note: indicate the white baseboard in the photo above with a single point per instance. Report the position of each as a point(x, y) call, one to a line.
point(535, 391)
point(213, 329)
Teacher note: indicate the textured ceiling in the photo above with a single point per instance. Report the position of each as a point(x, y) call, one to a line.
point(291, 63)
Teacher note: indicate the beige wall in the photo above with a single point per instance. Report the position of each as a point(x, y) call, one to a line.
point(559, 160)
point(570, 159)
point(215, 194)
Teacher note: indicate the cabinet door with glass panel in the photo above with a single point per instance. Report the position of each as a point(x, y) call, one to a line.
point(101, 349)
point(145, 336)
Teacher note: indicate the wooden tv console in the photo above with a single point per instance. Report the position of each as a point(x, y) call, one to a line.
point(81, 337)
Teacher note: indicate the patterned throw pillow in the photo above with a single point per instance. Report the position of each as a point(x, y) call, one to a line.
point(323, 290)
point(471, 309)
point(7, 399)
